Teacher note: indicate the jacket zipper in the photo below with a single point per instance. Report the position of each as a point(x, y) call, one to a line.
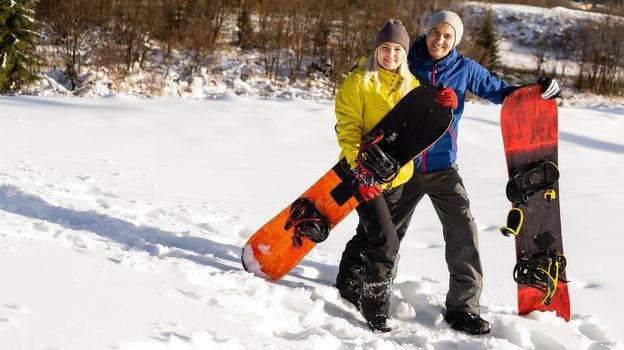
point(423, 163)
point(454, 138)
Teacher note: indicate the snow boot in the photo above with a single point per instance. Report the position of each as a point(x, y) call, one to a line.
point(467, 322)
point(349, 283)
point(375, 302)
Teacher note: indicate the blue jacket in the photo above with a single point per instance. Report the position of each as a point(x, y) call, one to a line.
point(461, 74)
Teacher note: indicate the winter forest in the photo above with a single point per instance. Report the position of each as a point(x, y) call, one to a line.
point(79, 43)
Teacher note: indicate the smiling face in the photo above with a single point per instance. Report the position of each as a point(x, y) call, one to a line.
point(390, 55)
point(440, 40)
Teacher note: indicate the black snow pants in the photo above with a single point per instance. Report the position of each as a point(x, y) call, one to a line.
point(448, 195)
point(369, 256)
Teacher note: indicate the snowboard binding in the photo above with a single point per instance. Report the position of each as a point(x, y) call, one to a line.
point(375, 160)
point(541, 175)
point(541, 271)
point(515, 217)
point(307, 222)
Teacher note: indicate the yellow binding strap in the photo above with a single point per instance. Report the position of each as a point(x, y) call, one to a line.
point(514, 222)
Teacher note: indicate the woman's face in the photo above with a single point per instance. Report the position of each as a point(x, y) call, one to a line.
point(440, 40)
point(390, 55)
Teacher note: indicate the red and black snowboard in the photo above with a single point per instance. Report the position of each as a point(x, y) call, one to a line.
point(530, 135)
point(415, 123)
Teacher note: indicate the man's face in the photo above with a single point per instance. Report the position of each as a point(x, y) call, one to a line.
point(440, 40)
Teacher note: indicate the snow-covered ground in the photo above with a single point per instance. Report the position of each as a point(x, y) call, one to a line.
point(122, 221)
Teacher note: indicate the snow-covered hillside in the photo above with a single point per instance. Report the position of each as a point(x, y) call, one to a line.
point(242, 72)
point(123, 221)
point(522, 29)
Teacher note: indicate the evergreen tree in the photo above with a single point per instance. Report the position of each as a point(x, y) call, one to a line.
point(488, 41)
point(17, 44)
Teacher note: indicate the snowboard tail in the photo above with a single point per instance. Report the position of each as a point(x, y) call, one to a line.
point(271, 252)
point(529, 127)
point(531, 299)
point(415, 123)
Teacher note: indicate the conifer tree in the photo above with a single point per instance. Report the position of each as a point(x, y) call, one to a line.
point(486, 38)
point(18, 59)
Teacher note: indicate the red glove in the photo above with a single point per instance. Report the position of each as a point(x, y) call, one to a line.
point(367, 185)
point(447, 98)
point(369, 193)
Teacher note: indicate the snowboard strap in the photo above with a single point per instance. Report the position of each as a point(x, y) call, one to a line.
point(541, 271)
point(374, 160)
point(307, 221)
point(514, 222)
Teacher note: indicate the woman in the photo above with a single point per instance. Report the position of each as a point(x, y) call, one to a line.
point(372, 88)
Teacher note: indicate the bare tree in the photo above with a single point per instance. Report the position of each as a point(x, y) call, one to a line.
point(68, 22)
point(601, 53)
point(168, 28)
point(204, 20)
point(271, 36)
point(130, 30)
point(245, 26)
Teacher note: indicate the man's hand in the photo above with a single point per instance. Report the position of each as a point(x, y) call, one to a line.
point(367, 185)
point(447, 98)
point(550, 88)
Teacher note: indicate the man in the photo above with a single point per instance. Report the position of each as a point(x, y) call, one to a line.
point(433, 59)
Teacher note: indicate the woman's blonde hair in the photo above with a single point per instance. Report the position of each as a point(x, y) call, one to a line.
point(371, 72)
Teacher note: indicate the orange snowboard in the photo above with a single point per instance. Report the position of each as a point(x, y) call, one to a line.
point(270, 251)
point(414, 124)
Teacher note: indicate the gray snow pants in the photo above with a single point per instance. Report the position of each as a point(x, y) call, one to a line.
point(446, 190)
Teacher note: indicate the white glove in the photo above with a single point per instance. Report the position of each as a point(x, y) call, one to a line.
point(550, 88)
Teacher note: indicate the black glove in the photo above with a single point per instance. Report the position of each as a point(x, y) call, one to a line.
point(550, 88)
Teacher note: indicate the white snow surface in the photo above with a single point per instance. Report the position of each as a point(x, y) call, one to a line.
point(123, 221)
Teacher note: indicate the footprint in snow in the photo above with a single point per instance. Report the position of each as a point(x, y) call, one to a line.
point(7, 322)
point(102, 203)
point(41, 226)
point(18, 308)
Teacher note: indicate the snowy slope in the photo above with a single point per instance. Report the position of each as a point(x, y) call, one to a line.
point(123, 219)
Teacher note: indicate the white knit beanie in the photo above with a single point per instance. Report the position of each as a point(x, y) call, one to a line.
point(451, 18)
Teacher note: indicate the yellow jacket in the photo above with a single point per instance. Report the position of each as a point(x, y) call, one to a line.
point(360, 107)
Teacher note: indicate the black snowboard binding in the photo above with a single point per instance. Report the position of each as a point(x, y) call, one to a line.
point(541, 175)
point(541, 271)
point(375, 160)
point(307, 221)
